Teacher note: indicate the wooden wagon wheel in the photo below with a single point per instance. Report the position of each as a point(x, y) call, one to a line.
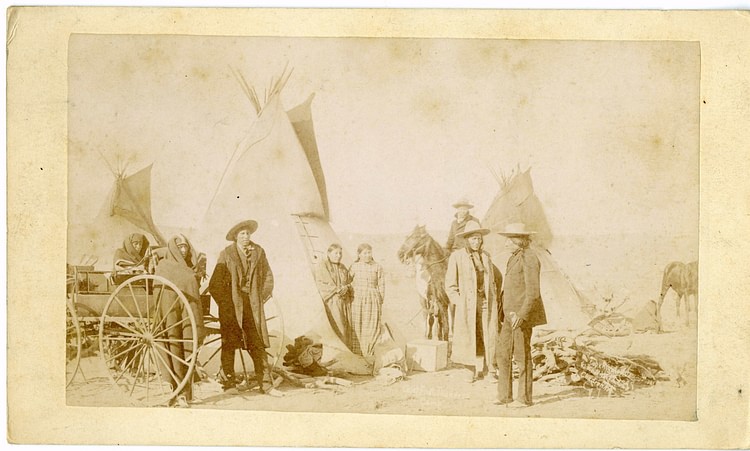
point(89, 322)
point(274, 325)
point(72, 343)
point(146, 330)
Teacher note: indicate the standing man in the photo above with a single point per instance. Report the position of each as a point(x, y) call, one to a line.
point(520, 311)
point(472, 283)
point(455, 239)
point(241, 284)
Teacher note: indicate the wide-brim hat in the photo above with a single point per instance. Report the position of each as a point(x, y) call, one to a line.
point(249, 224)
point(471, 228)
point(516, 229)
point(463, 203)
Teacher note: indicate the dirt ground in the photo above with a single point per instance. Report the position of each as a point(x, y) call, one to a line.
point(449, 392)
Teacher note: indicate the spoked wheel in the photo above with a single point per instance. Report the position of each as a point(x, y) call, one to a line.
point(208, 354)
point(147, 331)
point(275, 327)
point(72, 343)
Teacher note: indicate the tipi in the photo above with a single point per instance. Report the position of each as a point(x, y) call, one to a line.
point(126, 210)
point(566, 307)
point(275, 178)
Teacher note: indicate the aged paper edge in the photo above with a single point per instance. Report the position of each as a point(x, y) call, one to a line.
point(37, 171)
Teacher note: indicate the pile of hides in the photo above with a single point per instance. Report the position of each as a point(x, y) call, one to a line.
point(568, 362)
point(303, 357)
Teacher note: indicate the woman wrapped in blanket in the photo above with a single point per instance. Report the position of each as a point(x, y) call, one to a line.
point(134, 257)
point(179, 267)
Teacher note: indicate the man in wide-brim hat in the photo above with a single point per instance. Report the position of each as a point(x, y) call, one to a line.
point(461, 218)
point(472, 283)
point(520, 311)
point(241, 284)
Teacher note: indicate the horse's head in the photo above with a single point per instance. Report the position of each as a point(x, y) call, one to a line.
point(414, 244)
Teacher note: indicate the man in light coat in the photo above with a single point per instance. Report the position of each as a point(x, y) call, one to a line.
point(521, 310)
point(472, 283)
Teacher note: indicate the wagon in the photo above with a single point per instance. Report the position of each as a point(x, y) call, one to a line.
point(146, 333)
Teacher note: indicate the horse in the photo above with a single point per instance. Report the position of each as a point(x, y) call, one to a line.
point(682, 279)
point(430, 261)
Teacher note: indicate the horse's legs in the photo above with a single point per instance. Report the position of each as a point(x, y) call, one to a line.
point(425, 315)
point(443, 323)
point(688, 309)
point(658, 312)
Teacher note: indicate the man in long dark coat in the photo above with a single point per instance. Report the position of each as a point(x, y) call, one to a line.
point(241, 284)
point(520, 311)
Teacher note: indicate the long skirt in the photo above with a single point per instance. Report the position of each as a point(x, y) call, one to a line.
point(366, 313)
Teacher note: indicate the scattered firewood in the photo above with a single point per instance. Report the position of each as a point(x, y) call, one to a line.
point(580, 364)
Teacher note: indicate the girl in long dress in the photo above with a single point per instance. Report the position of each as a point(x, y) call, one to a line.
point(368, 285)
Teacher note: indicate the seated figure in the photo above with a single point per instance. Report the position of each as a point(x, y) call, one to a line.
point(133, 258)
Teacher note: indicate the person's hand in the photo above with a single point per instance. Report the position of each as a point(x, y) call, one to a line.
point(516, 320)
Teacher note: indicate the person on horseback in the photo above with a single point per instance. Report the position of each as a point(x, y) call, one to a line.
point(462, 217)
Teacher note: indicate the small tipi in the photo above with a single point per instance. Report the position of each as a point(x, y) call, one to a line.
point(126, 210)
point(566, 307)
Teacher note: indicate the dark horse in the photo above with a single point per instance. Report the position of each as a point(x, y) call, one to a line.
point(430, 261)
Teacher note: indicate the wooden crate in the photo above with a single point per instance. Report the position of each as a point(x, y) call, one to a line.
point(427, 355)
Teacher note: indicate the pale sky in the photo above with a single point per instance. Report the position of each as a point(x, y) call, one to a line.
point(404, 126)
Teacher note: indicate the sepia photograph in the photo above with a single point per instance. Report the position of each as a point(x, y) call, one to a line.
point(376, 228)
point(413, 226)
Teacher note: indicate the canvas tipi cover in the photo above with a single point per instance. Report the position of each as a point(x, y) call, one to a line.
point(301, 119)
point(126, 210)
point(566, 307)
point(274, 177)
